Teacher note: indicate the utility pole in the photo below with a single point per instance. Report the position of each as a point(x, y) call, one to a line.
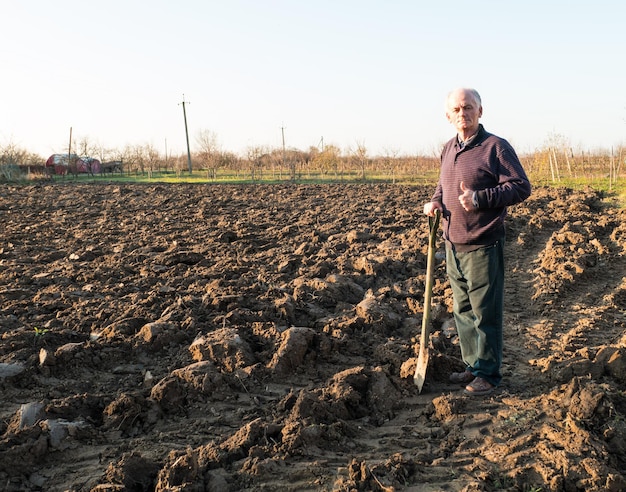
point(187, 136)
point(166, 154)
point(69, 154)
point(292, 169)
point(282, 129)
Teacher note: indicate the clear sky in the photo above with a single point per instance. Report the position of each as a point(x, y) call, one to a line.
point(345, 72)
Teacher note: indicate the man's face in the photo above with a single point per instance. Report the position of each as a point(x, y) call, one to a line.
point(464, 112)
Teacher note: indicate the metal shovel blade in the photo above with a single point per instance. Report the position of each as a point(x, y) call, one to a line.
point(422, 359)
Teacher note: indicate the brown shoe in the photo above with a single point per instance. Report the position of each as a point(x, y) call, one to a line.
point(462, 377)
point(479, 387)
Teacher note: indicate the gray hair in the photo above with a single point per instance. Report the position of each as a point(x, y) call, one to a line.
point(473, 92)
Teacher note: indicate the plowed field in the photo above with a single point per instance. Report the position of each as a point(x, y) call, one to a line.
point(264, 338)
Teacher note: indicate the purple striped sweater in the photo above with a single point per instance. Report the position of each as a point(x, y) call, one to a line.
point(490, 166)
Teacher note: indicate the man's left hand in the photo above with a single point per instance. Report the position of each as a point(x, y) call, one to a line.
point(466, 198)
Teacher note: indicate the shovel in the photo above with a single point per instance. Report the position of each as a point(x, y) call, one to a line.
point(422, 360)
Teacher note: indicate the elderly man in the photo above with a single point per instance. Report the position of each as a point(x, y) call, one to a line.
point(480, 177)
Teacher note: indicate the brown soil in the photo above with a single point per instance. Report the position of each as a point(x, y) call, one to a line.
point(251, 338)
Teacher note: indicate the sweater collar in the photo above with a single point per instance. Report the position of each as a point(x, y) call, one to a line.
point(473, 140)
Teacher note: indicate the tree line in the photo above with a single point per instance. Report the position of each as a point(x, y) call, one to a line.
point(555, 162)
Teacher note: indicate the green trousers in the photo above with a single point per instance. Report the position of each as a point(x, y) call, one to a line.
point(477, 281)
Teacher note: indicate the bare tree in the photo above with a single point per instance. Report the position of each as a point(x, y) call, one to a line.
point(327, 160)
point(151, 158)
point(558, 146)
point(134, 159)
point(15, 160)
point(256, 158)
point(390, 162)
point(296, 158)
point(11, 154)
point(229, 160)
point(209, 153)
point(360, 154)
point(84, 147)
point(312, 156)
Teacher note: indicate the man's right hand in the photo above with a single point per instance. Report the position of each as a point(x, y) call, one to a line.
point(430, 207)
